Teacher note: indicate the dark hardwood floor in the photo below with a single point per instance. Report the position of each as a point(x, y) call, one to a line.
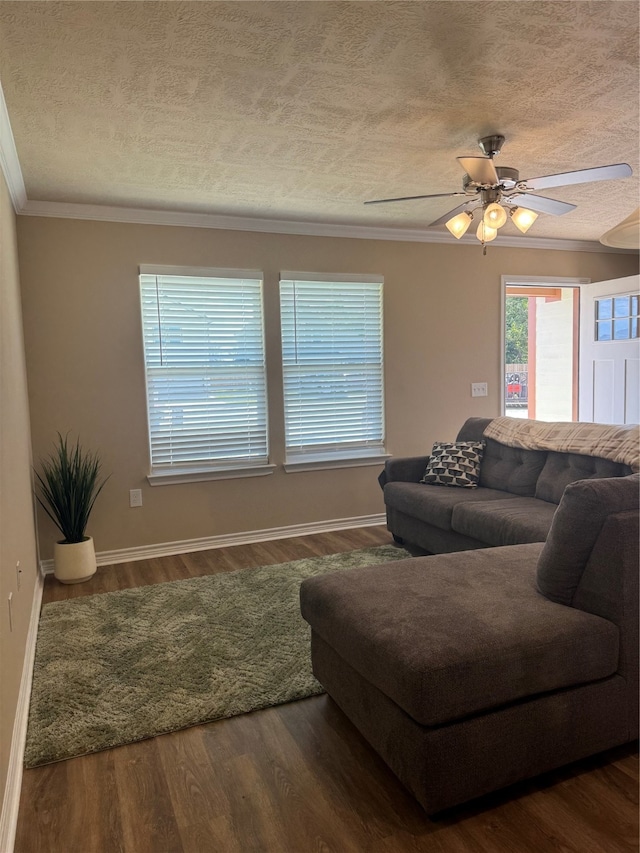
point(298, 777)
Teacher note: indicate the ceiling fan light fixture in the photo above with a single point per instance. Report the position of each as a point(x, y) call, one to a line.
point(494, 190)
point(495, 216)
point(523, 218)
point(485, 233)
point(459, 225)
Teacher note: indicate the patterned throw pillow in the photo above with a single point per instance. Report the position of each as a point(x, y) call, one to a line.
point(454, 464)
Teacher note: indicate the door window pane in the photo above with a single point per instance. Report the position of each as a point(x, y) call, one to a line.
point(604, 309)
point(621, 306)
point(604, 330)
point(621, 329)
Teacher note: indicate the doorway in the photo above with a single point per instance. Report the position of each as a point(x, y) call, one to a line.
point(541, 348)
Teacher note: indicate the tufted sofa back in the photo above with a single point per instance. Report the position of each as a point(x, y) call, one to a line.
point(560, 469)
point(534, 473)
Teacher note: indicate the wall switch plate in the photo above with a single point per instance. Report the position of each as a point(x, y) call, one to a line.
point(135, 497)
point(479, 389)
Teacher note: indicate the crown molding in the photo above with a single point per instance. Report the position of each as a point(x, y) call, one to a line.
point(142, 216)
point(9, 162)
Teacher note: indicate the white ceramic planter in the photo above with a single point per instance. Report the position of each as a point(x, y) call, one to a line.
point(74, 562)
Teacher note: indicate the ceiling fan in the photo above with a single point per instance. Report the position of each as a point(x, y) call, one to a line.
point(499, 192)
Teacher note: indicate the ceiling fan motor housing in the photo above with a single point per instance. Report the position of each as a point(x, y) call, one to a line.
point(508, 176)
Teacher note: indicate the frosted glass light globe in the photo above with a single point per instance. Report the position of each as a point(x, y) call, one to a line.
point(486, 234)
point(459, 224)
point(523, 218)
point(495, 216)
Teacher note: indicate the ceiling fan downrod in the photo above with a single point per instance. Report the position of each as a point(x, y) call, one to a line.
point(491, 145)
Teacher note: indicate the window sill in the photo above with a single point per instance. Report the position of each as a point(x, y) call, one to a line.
point(322, 463)
point(198, 475)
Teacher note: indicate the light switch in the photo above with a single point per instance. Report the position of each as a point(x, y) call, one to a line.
point(479, 389)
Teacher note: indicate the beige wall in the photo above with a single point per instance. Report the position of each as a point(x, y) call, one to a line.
point(17, 534)
point(85, 366)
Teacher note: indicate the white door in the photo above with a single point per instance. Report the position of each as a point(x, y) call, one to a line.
point(609, 386)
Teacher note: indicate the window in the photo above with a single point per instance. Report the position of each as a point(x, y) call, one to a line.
point(617, 318)
point(205, 371)
point(332, 369)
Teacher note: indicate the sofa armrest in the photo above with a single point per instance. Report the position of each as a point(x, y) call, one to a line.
point(408, 469)
point(473, 429)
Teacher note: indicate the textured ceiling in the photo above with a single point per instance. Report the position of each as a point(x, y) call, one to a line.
point(303, 110)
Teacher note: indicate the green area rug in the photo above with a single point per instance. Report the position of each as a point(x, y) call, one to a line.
point(122, 666)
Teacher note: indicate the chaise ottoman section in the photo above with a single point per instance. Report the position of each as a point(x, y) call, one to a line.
point(470, 671)
point(443, 766)
point(444, 638)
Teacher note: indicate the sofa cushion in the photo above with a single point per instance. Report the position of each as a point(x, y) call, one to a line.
point(434, 504)
point(511, 469)
point(582, 512)
point(456, 634)
point(560, 469)
point(510, 522)
point(454, 463)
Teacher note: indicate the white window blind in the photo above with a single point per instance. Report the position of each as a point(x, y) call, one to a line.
point(205, 369)
point(333, 366)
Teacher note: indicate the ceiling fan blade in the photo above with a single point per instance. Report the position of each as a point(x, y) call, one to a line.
point(411, 198)
point(480, 169)
point(447, 216)
point(542, 204)
point(581, 176)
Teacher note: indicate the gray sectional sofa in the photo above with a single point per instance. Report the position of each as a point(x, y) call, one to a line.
point(514, 504)
point(470, 671)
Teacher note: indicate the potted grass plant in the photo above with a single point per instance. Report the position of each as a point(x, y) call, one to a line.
point(67, 489)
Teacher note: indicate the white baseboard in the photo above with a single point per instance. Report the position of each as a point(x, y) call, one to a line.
point(167, 549)
point(11, 801)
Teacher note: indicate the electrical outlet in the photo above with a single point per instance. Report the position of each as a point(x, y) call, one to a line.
point(135, 497)
point(479, 389)
point(18, 576)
